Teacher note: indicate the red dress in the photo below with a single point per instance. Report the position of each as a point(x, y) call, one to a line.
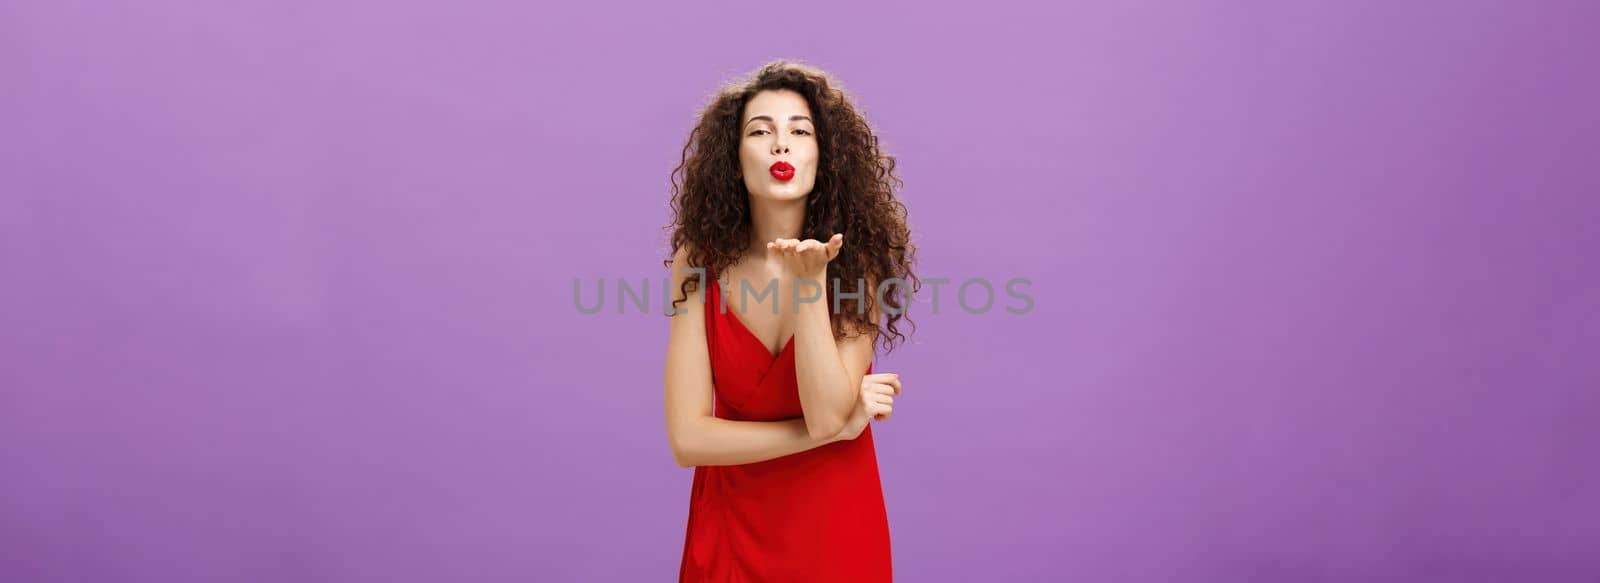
point(817, 515)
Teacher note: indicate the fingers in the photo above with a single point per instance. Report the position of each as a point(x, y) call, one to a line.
point(877, 389)
point(829, 248)
point(787, 247)
point(877, 400)
point(887, 378)
point(878, 395)
point(880, 411)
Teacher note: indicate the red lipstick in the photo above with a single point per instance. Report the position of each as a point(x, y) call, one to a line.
point(782, 170)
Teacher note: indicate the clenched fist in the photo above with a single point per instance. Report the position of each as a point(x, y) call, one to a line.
point(875, 403)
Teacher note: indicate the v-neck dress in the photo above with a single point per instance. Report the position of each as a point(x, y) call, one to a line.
point(817, 515)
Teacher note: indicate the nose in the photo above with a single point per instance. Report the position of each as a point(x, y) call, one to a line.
point(780, 147)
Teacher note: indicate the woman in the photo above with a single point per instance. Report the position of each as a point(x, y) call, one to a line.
point(784, 200)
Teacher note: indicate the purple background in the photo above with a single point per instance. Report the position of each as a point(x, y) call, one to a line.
point(287, 287)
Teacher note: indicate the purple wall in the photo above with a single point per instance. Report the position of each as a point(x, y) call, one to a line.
point(287, 287)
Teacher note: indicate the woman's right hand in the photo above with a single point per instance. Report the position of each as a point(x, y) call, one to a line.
point(874, 403)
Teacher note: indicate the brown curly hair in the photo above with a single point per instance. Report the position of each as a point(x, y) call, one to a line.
point(853, 194)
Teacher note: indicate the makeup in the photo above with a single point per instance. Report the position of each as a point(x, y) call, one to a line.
point(782, 171)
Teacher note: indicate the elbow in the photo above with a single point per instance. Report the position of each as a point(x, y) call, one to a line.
point(824, 425)
point(688, 442)
point(827, 426)
point(681, 455)
point(821, 430)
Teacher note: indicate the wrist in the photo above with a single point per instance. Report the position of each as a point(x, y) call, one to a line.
point(812, 290)
point(817, 277)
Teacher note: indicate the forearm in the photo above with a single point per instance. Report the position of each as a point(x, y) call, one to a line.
point(826, 393)
point(713, 441)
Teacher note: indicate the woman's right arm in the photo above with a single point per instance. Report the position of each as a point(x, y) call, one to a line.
point(697, 437)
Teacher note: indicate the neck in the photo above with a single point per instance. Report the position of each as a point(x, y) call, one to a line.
point(771, 219)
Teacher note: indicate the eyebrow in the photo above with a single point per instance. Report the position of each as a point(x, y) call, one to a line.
point(769, 118)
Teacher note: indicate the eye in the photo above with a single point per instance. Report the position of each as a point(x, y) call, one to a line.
point(802, 132)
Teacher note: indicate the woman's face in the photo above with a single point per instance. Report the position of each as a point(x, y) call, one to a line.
point(778, 130)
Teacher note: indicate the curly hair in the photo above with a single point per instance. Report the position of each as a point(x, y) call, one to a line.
point(853, 194)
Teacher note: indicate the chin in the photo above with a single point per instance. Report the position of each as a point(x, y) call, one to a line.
point(785, 193)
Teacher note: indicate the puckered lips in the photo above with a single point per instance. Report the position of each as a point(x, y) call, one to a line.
point(782, 170)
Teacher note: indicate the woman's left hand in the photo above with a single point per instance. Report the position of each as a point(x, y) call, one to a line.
point(804, 259)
